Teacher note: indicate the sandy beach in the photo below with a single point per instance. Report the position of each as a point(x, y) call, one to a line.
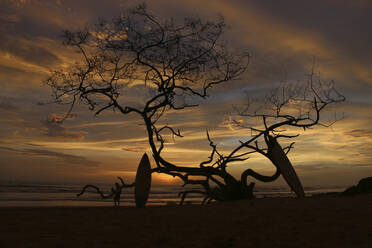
point(327, 221)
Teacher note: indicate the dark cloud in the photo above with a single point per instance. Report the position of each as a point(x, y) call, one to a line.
point(28, 51)
point(67, 158)
point(133, 149)
point(11, 77)
point(31, 144)
point(54, 128)
point(358, 133)
point(342, 23)
point(7, 106)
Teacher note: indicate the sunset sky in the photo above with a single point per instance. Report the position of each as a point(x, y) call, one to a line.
point(282, 37)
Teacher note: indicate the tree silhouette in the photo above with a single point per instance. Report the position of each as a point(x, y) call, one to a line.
point(279, 115)
point(174, 63)
point(287, 108)
point(171, 61)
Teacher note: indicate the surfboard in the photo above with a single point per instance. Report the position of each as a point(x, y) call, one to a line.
point(280, 160)
point(143, 182)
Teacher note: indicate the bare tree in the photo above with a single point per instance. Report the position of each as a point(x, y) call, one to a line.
point(286, 109)
point(174, 62)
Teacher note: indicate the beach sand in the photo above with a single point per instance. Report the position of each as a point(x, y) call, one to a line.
point(327, 221)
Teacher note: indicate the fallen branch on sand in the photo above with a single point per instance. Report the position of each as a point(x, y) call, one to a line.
point(115, 192)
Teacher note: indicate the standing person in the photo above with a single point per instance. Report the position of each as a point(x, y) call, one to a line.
point(116, 195)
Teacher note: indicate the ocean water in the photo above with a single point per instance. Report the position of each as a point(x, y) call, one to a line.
point(38, 195)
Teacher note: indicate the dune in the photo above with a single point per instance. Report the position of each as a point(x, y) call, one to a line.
point(326, 221)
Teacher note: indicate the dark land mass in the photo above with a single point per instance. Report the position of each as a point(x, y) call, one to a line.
point(364, 186)
point(323, 221)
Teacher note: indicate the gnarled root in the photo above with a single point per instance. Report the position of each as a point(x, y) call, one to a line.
point(115, 192)
point(183, 195)
point(97, 189)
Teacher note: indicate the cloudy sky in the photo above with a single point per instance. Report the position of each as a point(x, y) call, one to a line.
point(283, 38)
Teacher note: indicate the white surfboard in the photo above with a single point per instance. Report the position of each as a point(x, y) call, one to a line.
point(280, 160)
point(143, 182)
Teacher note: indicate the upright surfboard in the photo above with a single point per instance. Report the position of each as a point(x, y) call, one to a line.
point(280, 160)
point(143, 182)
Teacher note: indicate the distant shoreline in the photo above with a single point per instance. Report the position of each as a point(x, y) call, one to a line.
point(41, 195)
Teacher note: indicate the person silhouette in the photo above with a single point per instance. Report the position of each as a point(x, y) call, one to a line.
point(116, 194)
